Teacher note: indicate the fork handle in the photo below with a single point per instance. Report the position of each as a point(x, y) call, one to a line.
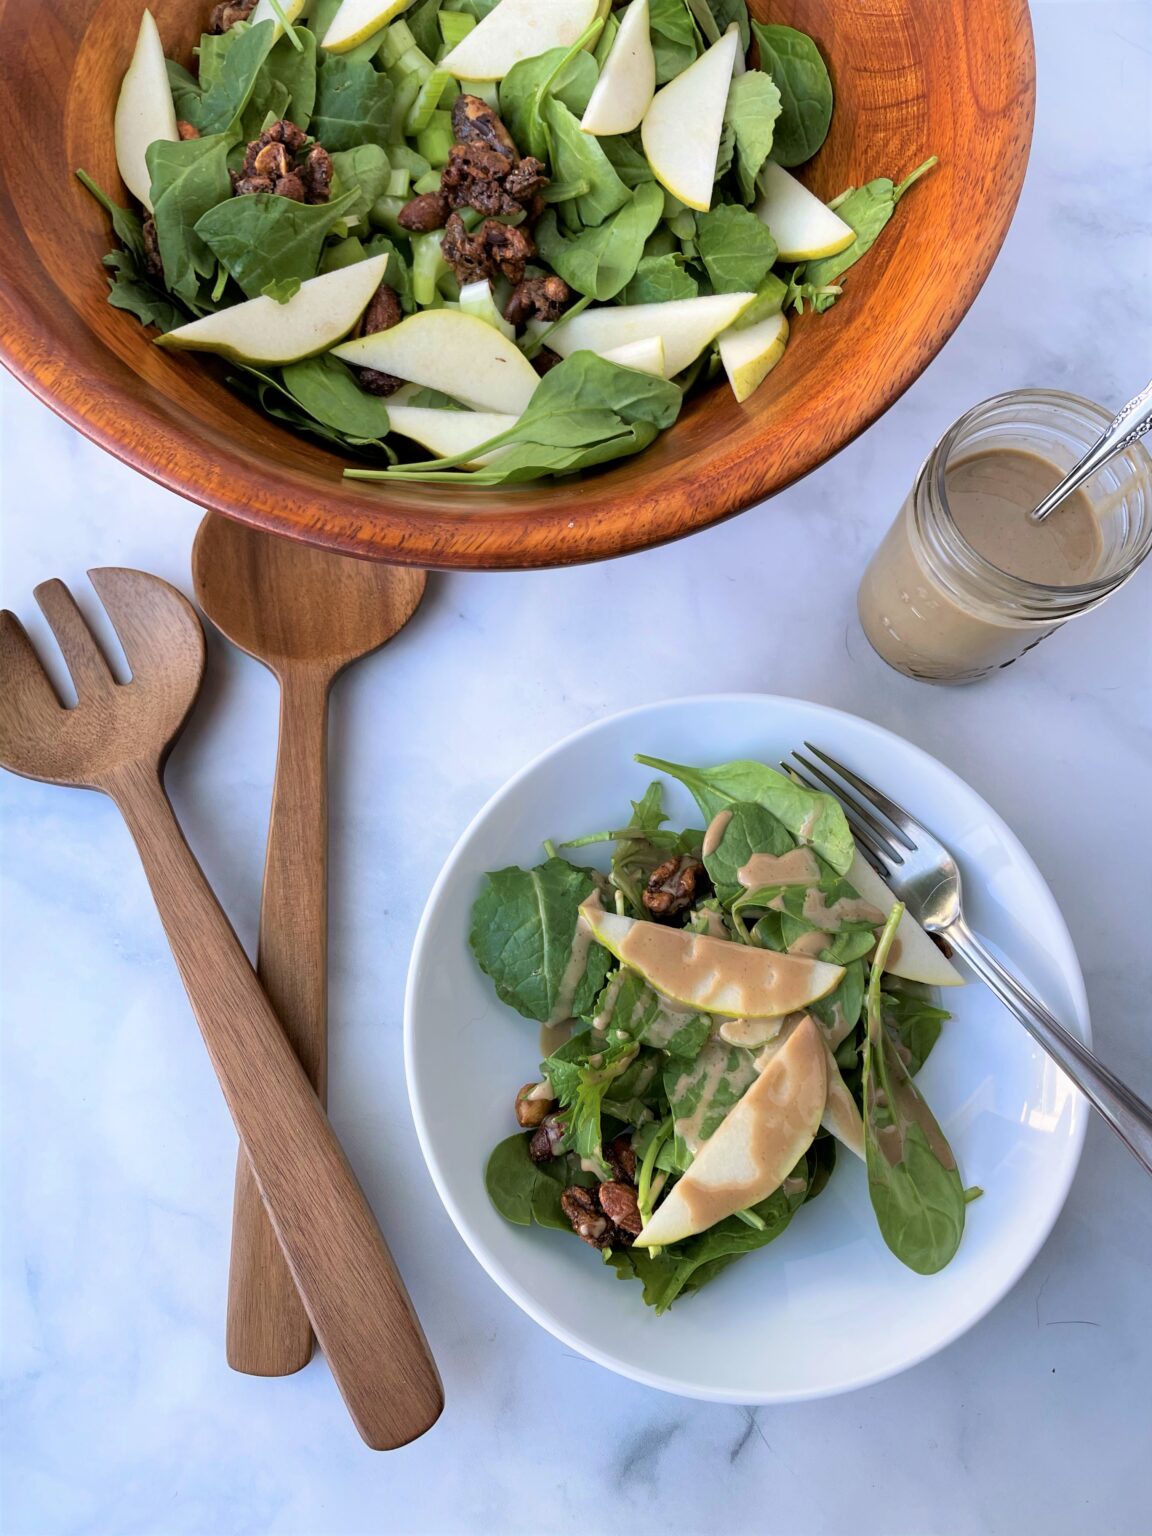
point(1127, 1114)
point(343, 1271)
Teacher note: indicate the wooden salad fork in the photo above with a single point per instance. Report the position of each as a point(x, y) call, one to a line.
point(306, 614)
point(116, 740)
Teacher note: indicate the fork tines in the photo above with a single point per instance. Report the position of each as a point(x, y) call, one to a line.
point(882, 827)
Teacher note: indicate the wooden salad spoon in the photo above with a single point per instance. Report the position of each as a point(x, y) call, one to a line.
point(306, 614)
point(117, 739)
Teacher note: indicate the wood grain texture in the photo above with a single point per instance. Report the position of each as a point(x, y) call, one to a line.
point(116, 740)
point(306, 614)
point(954, 78)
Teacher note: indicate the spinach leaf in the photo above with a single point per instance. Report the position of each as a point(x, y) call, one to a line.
point(326, 389)
point(239, 60)
point(737, 250)
point(525, 1192)
point(673, 38)
point(364, 171)
point(185, 90)
point(684, 1267)
point(353, 104)
point(812, 817)
point(867, 209)
point(627, 158)
point(629, 1009)
point(794, 63)
point(578, 157)
point(728, 11)
point(524, 936)
point(916, 1190)
point(658, 280)
point(751, 112)
point(189, 176)
point(131, 290)
point(127, 225)
point(600, 262)
point(422, 21)
point(295, 69)
point(751, 829)
point(700, 1095)
point(914, 1021)
point(840, 1011)
point(569, 76)
point(270, 244)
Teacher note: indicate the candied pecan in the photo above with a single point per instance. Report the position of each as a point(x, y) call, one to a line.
point(474, 178)
point(529, 1111)
point(244, 186)
point(525, 180)
point(588, 1222)
point(545, 360)
point(547, 1139)
point(942, 945)
point(424, 213)
point(621, 1159)
point(495, 248)
point(289, 186)
point(228, 13)
point(187, 130)
point(316, 173)
point(272, 160)
point(383, 312)
point(281, 132)
point(545, 298)
point(672, 886)
point(474, 122)
point(618, 1202)
point(153, 263)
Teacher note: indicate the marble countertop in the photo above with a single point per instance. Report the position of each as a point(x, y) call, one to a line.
point(121, 1416)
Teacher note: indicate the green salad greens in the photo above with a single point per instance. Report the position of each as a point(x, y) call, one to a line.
point(480, 240)
point(722, 1012)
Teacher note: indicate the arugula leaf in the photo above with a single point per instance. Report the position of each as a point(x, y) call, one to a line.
point(600, 262)
point(913, 1020)
point(130, 290)
point(363, 170)
point(189, 176)
point(812, 817)
point(271, 244)
point(916, 1189)
point(127, 225)
point(353, 104)
point(751, 111)
point(525, 1192)
point(658, 280)
point(737, 250)
point(641, 845)
point(805, 91)
point(570, 76)
point(577, 156)
point(674, 41)
point(524, 936)
point(239, 59)
point(867, 209)
point(326, 389)
point(629, 1008)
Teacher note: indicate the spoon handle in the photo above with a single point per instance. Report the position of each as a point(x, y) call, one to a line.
point(268, 1332)
point(1128, 426)
point(341, 1266)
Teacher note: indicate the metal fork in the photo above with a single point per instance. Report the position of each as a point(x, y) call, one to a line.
point(924, 875)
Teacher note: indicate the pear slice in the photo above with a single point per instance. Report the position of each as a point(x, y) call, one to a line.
point(685, 326)
point(646, 356)
point(801, 225)
point(448, 350)
point(292, 9)
point(449, 433)
point(627, 81)
point(681, 129)
point(262, 331)
point(755, 1147)
point(751, 354)
point(355, 22)
point(515, 30)
point(144, 110)
point(913, 954)
point(712, 975)
point(841, 1116)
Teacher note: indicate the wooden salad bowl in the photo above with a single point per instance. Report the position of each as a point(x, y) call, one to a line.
point(954, 78)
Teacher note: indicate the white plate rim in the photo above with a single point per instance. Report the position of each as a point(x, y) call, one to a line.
point(507, 1280)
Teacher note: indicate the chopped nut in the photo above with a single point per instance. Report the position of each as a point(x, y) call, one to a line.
point(474, 178)
point(153, 264)
point(548, 1138)
point(542, 298)
point(187, 130)
point(473, 121)
point(272, 160)
point(245, 186)
point(424, 213)
point(618, 1202)
point(317, 174)
point(290, 186)
point(228, 13)
point(383, 312)
point(545, 360)
point(525, 180)
point(529, 1111)
point(942, 945)
point(494, 249)
point(281, 132)
point(672, 886)
point(588, 1223)
point(622, 1159)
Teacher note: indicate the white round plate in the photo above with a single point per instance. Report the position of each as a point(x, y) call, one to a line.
point(825, 1308)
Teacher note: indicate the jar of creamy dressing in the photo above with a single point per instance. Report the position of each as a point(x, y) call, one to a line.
point(964, 582)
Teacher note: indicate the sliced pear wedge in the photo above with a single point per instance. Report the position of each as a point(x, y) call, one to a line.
point(712, 975)
point(756, 1146)
point(292, 9)
point(447, 350)
point(681, 129)
point(750, 355)
point(841, 1117)
point(685, 326)
point(354, 23)
point(144, 110)
point(802, 226)
point(515, 30)
point(262, 331)
point(645, 356)
point(627, 81)
point(913, 954)
point(449, 433)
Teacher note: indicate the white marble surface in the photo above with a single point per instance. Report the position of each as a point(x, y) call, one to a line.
point(120, 1414)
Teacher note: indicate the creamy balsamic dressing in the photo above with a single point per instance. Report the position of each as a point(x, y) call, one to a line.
point(990, 496)
point(849, 909)
point(810, 944)
point(796, 867)
point(557, 1029)
point(716, 830)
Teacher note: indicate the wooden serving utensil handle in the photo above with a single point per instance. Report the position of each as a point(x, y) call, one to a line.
point(339, 1261)
point(268, 1330)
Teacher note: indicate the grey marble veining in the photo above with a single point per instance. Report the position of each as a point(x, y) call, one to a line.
point(120, 1416)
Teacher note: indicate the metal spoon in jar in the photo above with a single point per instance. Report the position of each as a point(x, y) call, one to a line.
point(1125, 428)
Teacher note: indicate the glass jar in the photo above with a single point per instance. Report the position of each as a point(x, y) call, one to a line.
point(935, 608)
